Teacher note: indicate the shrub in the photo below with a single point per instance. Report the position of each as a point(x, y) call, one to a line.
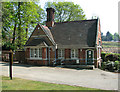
point(111, 57)
point(103, 56)
point(103, 65)
point(117, 64)
point(109, 65)
point(111, 61)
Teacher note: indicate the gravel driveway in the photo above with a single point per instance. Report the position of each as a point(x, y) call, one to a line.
point(86, 78)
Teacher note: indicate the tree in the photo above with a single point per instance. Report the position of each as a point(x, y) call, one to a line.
point(109, 36)
point(116, 37)
point(18, 18)
point(103, 37)
point(66, 11)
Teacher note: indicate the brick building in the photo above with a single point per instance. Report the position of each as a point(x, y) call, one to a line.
point(66, 43)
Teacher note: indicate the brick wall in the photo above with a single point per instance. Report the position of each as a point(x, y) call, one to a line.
point(67, 53)
point(20, 56)
point(44, 52)
point(81, 56)
point(52, 54)
point(95, 57)
point(27, 53)
point(99, 34)
point(37, 62)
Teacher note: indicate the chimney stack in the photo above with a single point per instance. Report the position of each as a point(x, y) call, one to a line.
point(50, 17)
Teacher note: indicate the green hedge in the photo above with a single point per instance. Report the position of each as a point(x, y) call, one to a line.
point(111, 61)
point(110, 65)
point(110, 56)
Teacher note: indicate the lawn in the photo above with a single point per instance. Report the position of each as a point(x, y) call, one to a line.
point(23, 84)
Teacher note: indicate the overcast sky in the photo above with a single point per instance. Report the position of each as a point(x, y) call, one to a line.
point(106, 10)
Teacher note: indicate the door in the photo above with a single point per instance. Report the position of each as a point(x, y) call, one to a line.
point(89, 57)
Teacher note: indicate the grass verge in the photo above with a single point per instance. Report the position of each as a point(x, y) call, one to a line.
point(23, 84)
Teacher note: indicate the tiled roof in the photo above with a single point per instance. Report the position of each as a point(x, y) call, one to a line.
point(82, 33)
point(47, 30)
point(36, 42)
point(40, 40)
point(69, 34)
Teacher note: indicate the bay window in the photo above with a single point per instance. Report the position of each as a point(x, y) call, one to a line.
point(36, 53)
point(40, 53)
point(32, 52)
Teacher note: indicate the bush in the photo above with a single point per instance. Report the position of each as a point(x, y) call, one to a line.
point(111, 57)
point(117, 64)
point(103, 65)
point(111, 61)
point(109, 65)
point(103, 56)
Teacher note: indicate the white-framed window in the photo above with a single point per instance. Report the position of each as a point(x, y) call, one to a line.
point(74, 53)
point(36, 53)
point(31, 52)
point(40, 52)
point(60, 53)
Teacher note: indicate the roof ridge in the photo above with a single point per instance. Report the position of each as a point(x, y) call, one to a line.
point(75, 21)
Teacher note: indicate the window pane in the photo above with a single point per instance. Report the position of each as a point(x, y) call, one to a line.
point(60, 53)
point(74, 53)
point(32, 52)
point(89, 52)
point(40, 52)
point(36, 54)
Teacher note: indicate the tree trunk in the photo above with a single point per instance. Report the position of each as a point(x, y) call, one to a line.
point(19, 26)
point(13, 41)
point(27, 31)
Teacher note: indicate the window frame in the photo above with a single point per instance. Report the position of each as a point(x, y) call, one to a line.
point(34, 51)
point(75, 54)
point(61, 53)
point(40, 51)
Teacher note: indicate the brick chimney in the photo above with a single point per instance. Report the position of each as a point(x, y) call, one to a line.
point(50, 17)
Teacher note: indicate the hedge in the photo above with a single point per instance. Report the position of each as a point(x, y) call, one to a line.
point(110, 56)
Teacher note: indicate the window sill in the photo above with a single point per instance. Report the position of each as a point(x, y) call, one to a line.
point(74, 58)
point(61, 58)
point(37, 59)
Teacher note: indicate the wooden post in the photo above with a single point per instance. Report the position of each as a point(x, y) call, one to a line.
point(10, 63)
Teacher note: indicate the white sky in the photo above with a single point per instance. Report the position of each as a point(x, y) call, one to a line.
point(106, 10)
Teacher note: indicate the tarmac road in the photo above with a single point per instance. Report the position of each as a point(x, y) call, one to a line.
point(95, 78)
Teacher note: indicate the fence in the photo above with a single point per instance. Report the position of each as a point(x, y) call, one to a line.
point(5, 55)
point(19, 56)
